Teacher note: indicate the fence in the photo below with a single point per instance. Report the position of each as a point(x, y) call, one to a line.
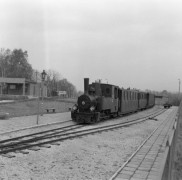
point(167, 165)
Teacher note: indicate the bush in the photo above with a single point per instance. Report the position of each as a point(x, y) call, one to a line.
point(13, 97)
point(175, 99)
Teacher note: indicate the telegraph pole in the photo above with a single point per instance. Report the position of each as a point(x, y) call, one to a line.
point(36, 72)
point(179, 85)
point(40, 93)
point(38, 103)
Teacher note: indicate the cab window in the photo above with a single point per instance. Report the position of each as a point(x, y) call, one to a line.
point(107, 91)
point(115, 93)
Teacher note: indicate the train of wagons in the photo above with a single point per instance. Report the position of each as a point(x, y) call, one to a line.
point(100, 101)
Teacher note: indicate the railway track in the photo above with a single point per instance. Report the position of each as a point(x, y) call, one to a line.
point(164, 125)
point(47, 138)
point(35, 127)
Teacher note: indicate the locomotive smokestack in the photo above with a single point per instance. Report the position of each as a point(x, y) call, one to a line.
point(86, 83)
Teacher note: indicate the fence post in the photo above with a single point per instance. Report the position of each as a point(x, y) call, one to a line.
point(171, 151)
point(177, 126)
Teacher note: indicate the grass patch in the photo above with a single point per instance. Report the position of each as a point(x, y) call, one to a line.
point(30, 107)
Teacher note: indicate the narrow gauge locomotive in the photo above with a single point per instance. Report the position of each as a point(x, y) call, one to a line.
point(105, 100)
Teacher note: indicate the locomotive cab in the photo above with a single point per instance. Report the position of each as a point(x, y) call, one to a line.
point(109, 99)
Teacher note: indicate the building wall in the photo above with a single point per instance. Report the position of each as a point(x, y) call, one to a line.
point(1, 90)
point(31, 89)
point(36, 90)
point(27, 89)
point(18, 86)
point(17, 91)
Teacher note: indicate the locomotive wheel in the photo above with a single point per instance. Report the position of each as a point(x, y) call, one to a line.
point(92, 120)
point(95, 118)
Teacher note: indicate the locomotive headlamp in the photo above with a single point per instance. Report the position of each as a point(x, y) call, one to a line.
point(74, 108)
point(92, 108)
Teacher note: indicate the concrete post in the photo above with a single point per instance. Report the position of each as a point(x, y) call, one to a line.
point(23, 88)
point(38, 104)
point(1, 91)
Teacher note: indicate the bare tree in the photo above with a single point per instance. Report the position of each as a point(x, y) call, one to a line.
point(53, 78)
point(5, 56)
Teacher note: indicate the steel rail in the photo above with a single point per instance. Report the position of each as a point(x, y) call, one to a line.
point(54, 123)
point(47, 131)
point(64, 129)
point(34, 127)
point(23, 145)
point(141, 145)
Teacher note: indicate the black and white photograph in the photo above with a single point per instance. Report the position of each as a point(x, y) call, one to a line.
point(90, 90)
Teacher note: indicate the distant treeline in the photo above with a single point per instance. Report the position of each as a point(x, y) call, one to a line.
point(14, 64)
point(175, 98)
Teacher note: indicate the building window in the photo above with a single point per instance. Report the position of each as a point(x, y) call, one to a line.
point(115, 93)
point(12, 86)
point(107, 91)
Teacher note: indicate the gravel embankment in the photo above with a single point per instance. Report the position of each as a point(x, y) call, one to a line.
point(29, 121)
point(94, 157)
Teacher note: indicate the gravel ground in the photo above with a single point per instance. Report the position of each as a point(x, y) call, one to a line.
point(27, 121)
point(94, 157)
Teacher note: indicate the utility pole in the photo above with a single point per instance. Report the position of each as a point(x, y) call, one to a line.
point(38, 103)
point(36, 75)
point(179, 85)
point(40, 93)
point(2, 75)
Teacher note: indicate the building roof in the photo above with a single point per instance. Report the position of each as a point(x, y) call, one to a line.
point(16, 80)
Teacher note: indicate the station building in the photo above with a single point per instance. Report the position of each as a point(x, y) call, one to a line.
point(22, 86)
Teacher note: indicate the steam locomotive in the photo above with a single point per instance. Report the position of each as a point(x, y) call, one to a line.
point(101, 101)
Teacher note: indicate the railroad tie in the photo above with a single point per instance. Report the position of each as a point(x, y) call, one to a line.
point(45, 146)
point(21, 151)
point(152, 118)
point(34, 148)
point(55, 143)
point(8, 155)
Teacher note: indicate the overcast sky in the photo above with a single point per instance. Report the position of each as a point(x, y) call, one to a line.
point(130, 43)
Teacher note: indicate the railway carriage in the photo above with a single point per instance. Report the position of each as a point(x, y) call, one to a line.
point(129, 101)
point(101, 101)
point(151, 100)
point(142, 100)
